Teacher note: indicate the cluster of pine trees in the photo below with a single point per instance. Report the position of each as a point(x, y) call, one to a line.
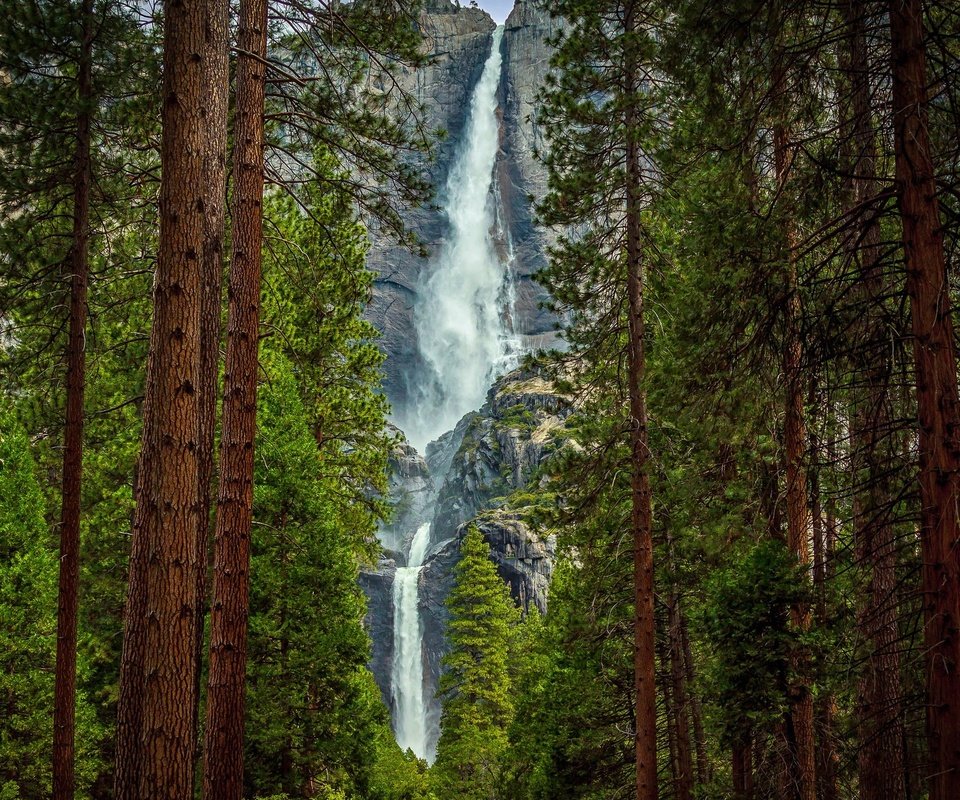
point(759, 579)
point(166, 171)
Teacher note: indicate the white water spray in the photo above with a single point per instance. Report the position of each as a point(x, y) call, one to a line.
point(462, 323)
point(410, 720)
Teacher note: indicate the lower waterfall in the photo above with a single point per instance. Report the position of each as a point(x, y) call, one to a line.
point(410, 721)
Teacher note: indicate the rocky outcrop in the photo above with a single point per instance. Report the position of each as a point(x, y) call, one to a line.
point(411, 495)
point(377, 585)
point(501, 449)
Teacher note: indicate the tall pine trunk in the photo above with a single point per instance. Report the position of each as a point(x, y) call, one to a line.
point(937, 402)
point(880, 725)
point(65, 685)
point(798, 514)
point(215, 158)
point(824, 709)
point(158, 682)
point(683, 789)
point(223, 753)
point(644, 668)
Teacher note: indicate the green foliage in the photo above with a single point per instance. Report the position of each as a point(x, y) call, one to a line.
point(28, 600)
point(311, 708)
point(747, 626)
point(476, 687)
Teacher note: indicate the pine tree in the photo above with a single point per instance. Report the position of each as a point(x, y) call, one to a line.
point(598, 110)
point(938, 406)
point(476, 687)
point(158, 682)
point(223, 751)
point(69, 70)
point(28, 628)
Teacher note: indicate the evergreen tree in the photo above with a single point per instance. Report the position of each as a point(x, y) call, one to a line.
point(28, 621)
point(476, 687)
point(313, 716)
point(27, 600)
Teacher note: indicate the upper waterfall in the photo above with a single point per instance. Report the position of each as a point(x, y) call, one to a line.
point(461, 314)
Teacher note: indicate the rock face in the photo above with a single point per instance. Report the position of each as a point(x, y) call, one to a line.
point(466, 480)
point(459, 39)
point(526, 62)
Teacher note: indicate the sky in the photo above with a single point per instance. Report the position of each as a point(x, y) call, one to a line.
point(498, 9)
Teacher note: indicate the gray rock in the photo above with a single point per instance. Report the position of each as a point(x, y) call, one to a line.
point(459, 40)
point(377, 585)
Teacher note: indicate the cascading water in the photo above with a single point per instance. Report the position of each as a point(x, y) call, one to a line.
point(463, 327)
point(463, 318)
point(410, 722)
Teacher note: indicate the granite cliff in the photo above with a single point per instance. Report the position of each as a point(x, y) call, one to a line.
point(497, 451)
point(458, 39)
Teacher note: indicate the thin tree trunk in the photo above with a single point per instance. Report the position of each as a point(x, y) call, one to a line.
point(742, 763)
point(880, 725)
point(684, 782)
point(696, 711)
point(937, 402)
point(642, 512)
point(223, 753)
point(158, 685)
point(215, 158)
point(798, 516)
point(65, 686)
point(824, 709)
point(670, 715)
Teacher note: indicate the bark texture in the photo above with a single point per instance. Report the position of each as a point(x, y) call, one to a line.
point(798, 512)
point(223, 759)
point(158, 681)
point(65, 684)
point(937, 402)
point(215, 164)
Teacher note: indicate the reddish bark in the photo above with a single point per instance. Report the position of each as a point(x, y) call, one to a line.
point(65, 686)
point(158, 683)
point(641, 504)
point(798, 515)
point(223, 754)
point(216, 54)
point(937, 402)
point(880, 725)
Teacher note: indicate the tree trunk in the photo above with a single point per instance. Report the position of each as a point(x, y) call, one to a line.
point(880, 725)
point(937, 402)
point(684, 782)
point(742, 762)
point(65, 687)
point(696, 711)
point(642, 512)
point(824, 710)
point(223, 759)
point(798, 517)
point(158, 684)
point(215, 157)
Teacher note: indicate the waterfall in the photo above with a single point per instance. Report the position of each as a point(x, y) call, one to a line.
point(410, 721)
point(461, 316)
